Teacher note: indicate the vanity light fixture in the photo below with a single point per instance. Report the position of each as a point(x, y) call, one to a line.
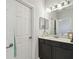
point(63, 3)
point(56, 6)
point(60, 6)
point(68, 2)
point(48, 10)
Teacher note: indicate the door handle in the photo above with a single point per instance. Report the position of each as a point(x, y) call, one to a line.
point(30, 37)
point(11, 45)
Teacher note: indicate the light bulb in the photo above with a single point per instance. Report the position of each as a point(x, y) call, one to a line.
point(59, 7)
point(48, 10)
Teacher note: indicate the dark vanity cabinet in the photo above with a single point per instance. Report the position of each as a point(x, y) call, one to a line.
point(45, 51)
point(61, 53)
point(55, 50)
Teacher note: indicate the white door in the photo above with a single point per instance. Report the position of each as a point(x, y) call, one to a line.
point(23, 32)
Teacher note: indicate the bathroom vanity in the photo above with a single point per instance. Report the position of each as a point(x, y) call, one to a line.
point(54, 48)
point(55, 40)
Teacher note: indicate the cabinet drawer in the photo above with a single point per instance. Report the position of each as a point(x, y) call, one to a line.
point(59, 44)
point(52, 43)
point(66, 46)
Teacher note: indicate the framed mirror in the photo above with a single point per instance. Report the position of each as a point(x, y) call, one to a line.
point(43, 23)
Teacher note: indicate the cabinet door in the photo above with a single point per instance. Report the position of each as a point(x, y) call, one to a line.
point(61, 53)
point(45, 51)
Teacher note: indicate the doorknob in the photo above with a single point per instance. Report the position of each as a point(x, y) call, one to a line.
point(11, 45)
point(30, 37)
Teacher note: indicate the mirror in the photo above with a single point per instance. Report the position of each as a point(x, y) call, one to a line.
point(63, 23)
point(60, 17)
point(43, 23)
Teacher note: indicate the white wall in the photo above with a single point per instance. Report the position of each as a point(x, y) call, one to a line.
point(38, 12)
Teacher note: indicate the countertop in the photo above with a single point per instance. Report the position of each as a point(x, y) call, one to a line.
point(64, 40)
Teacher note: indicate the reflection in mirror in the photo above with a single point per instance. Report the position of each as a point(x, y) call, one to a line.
point(60, 17)
point(64, 22)
point(43, 23)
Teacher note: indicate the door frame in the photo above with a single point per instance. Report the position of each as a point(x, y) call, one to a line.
point(32, 21)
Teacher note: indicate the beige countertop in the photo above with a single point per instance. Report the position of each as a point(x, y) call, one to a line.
point(64, 40)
